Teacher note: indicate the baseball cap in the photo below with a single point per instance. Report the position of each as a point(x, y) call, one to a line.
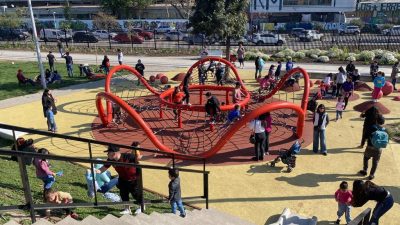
point(112, 148)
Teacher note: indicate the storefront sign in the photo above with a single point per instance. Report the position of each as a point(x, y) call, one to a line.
point(388, 7)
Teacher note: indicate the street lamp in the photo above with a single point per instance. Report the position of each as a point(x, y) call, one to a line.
point(54, 20)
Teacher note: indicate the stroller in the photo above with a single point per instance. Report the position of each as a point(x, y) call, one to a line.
point(288, 157)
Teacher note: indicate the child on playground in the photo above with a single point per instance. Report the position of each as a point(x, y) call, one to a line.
point(59, 197)
point(339, 107)
point(344, 198)
point(237, 94)
point(379, 82)
point(174, 188)
point(43, 170)
point(51, 120)
point(233, 115)
point(177, 98)
point(116, 113)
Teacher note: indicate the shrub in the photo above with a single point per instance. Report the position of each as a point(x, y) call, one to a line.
point(248, 56)
point(323, 59)
point(288, 52)
point(299, 55)
point(323, 52)
point(357, 22)
point(314, 56)
point(351, 58)
point(387, 58)
point(314, 51)
point(335, 52)
point(279, 55)
point(366, 56)
point(379, 53)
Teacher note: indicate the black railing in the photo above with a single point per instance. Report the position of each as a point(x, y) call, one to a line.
point(362, 219)
point(25, 181)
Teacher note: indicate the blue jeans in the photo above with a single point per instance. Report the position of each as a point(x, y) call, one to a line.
point(319, 137)
point(344, 209)
point(338, 114)
point(381, 208)
point(70, 70)
point(107, 186)
point(48, 181)
point(174, 204)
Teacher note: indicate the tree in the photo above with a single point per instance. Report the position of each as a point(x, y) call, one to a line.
point(183, 7)
point(224, 18)
point(104, 21)
point(123, 7)
point(10, 20)
point(67, 11)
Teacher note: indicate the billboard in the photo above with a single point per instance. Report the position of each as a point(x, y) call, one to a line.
point(302, 6)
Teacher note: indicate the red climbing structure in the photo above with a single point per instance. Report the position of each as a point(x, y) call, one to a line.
point(147, 111)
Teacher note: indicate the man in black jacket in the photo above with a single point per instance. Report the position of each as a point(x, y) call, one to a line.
point(212, 107)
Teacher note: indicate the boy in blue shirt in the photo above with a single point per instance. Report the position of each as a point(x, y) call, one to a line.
point(233, 115)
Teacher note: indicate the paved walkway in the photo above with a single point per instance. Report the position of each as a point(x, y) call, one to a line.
point(255, 192)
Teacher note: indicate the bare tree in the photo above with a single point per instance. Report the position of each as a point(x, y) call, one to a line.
point(183, 7)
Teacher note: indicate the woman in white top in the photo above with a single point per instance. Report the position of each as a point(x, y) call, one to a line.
point(257, 126)
point(340, 79)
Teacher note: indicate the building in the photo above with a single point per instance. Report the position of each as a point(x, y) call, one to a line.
point(293, 11)
point(379, 12)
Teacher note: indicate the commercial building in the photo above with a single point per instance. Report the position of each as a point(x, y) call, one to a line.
point(379, 12)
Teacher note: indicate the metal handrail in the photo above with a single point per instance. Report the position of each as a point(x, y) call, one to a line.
point(28, 194)
point(362, 218)
point(49, 134)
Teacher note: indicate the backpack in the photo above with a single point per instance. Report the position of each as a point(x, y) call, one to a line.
point(380, 138)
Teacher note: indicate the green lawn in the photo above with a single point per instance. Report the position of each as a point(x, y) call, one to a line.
point(73, 182)
point(9, 84)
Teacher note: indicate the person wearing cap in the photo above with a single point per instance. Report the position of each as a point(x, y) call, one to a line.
point(127, 176)
point(212, 107)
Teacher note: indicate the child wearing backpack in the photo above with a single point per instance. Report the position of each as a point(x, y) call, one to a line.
point(343, 197)
point(377, 139)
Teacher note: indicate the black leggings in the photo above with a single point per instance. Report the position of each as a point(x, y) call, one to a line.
point(187, 95)
point(129, 187)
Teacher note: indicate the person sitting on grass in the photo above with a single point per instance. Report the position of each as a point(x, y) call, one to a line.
point(60, 197)
point(55, 78)
point(22, 79)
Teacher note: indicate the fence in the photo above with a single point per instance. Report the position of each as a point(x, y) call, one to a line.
point(362, 219)
point(139, 167)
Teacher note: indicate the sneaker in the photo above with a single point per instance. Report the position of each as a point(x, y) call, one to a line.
point(362, 172)
point(337, 221)
point(189, 104)
point(139, 211)
point(324, 153)
point(371, 177)
point(183, 215)
point(126, 212)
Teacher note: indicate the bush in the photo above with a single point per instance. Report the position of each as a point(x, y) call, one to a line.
point(323, 52)
point(335, 53)
point(249, 56)
point(357, 22)
point(314, 56)
point(314, 51)
point(366, 56)
point(287, 52)
point(378, 53)
point(299, 55)
point(388, 58)
point(323, 59)
point(351, 58)
point(279, 55)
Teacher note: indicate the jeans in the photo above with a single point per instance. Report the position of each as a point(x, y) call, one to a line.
point(344, 209)
point(381, 208)
point(179, 204)
point(259, 146)
point(108, 186)
point(394, 83)
point(375, 154)
point(258, 73)
point(338, 114)
point(70, 70)
point(319, 137)
point(48, 181)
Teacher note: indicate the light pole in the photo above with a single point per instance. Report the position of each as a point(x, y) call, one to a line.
point(54, 20)
point(35, 39)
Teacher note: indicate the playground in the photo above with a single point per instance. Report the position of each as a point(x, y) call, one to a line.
point(254, 191)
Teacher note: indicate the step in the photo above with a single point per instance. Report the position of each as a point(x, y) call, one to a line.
point(68, 221)
point(144, 219)
point(112, 220)
point(42, 221)
point(161, 219)
point(228, 218)
point(91, 220)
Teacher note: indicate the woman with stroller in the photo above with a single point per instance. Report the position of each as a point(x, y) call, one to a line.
point(321, 121)
point(257, 126)
point(105, 64)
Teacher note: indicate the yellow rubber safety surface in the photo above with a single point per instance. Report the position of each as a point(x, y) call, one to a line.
point(255, 192)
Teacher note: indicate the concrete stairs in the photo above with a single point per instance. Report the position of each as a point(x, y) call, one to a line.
point(202, 217)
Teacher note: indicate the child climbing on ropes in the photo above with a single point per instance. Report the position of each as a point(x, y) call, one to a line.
point(339, 107)
point(237, 94)
point(222, 115)
point(212, 107)
point(59, 197)
point(177, 99)
point(344, 198)
point(379, 82)
point(267, 83)
point(233, 115)
point(116, 113)
point(219, 74)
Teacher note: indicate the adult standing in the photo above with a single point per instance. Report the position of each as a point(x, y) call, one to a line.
point(348, 88)
point(373, 69)
point(321, 121)
point(372, 151)
point(370, 118)
point(350, 68)
point(240, 53)
point(69, 63)
point(258, 129)
point(366, 191)
point(340, 79)
point(395, 74)
point(48, 101)
point(105, 64)
point(51, 59)
point(60, 48)
point(120, 56)
point(212, 107)
point(186, 82)
point(259, 62)
point(128, 178)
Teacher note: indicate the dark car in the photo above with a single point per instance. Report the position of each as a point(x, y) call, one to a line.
point(296, 32)
point(7, 34)
point(199, 39)
point(84, 37)
point(371, 28)
point(125, 38)
point(144, 34)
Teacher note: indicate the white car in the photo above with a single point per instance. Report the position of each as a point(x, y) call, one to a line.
point(395, 30)
point(310, 35)
point(103, 34)
point(164, 29)
point(268, 38)
point(174, 35)
point(350, 30)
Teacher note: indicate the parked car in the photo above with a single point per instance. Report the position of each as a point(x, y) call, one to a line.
point(395, 30)
point(103, 34)
point(268, 38)
point(125, 38)
point(54, 35)
point(311, 35)
point(295, 32)
point(7, 34)
point(164, 29)
point(199, 39)
point(144, 34)
point(175, 35)
point(350, 30)
point(83, 36)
